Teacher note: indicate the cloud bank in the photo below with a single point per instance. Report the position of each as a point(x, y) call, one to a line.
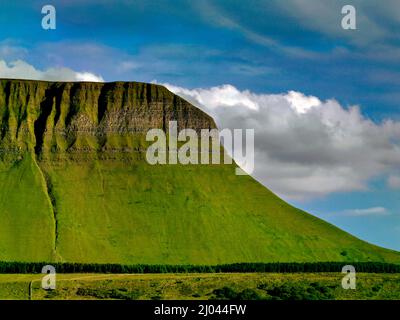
point(305, 147)
point(20, 69)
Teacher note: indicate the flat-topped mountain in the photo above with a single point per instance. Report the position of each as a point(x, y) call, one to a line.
point(75, 187)
point(60, 117)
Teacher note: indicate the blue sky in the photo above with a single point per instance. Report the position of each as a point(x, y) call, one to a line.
point(264, 47)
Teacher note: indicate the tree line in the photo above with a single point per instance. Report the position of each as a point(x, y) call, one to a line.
point(278, 267)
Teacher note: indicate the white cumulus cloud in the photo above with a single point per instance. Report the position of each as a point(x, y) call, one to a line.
point(305, 147)
point(20, 69)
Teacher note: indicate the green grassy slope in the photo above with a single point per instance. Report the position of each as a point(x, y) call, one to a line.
point(74, 187)
point(110, 211)
point(26, 219)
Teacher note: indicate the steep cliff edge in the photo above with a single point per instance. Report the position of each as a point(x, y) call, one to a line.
point(74, 186)
point(61, 118)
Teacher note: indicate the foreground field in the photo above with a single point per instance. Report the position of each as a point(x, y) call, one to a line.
point(246, 286)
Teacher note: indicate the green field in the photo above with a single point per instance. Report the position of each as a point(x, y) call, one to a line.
point(247, 286)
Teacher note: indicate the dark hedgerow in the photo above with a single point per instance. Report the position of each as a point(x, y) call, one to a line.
point(284, 267)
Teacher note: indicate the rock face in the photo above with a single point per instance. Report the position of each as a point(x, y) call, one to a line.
point(51, 118)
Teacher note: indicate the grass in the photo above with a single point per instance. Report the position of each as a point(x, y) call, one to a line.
point(268, 286)
point(137, 213)
point(131, 212)
point(26, 228)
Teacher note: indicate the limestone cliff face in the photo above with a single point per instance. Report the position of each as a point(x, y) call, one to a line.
point(53, 118)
